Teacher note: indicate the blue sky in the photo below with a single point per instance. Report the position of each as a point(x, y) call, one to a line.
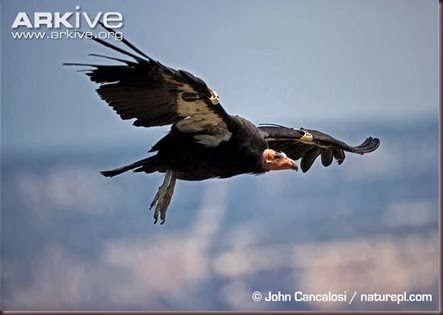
point(74, 240)
point(298, 63)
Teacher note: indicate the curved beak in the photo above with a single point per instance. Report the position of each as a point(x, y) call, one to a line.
point(294, 165)
point(287, 163)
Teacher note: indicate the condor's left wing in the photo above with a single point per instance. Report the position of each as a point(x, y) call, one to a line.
point(153, 94)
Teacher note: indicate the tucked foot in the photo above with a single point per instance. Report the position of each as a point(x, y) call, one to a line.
point(163, 197)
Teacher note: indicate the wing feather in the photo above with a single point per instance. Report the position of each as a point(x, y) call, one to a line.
point(155, 95)
point(297, 145)
point(309, 158)
point(326, 157)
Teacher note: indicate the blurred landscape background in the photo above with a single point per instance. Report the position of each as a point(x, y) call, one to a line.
point(74, 240)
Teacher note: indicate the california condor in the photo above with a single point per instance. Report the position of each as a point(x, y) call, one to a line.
point(204, 141)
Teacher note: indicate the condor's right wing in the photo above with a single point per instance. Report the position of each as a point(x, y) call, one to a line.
point(308, 144)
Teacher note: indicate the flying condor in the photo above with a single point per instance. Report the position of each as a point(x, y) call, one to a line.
point(204, 141)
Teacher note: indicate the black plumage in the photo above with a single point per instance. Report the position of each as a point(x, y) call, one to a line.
point(204, 141)
point(290, 141)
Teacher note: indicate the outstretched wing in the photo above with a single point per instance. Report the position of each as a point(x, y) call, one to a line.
point(154, 95)
point(308, 144)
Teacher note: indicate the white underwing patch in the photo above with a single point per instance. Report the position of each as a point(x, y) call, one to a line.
point(212, 140)
point(200, 118)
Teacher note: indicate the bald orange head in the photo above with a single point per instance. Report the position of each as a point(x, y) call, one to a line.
point(273, 161)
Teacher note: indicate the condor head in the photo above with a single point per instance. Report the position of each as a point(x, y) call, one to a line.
point(273, 161)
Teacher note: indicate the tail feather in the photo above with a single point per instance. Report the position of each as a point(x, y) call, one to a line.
point(125, 168)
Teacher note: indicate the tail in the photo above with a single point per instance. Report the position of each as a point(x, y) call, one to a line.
point(126, 168)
